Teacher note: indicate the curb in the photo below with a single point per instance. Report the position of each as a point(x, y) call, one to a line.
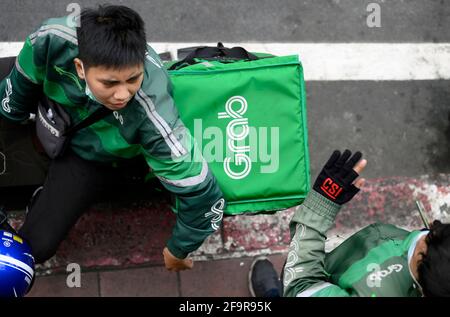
point(122, 235)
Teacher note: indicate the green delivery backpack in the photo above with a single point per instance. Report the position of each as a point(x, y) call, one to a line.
point(247, 112)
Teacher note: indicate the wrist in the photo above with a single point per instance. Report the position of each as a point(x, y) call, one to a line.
point(176, 251)
point(316, 212)
point(321, 205)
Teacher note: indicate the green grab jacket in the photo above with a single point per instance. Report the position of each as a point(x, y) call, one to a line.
point(149, 125)
point(374, 262)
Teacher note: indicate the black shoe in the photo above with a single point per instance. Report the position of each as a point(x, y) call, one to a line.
point(263, 280)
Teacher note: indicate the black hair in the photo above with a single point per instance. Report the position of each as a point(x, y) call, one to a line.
point(112, 36)
point(434, 268)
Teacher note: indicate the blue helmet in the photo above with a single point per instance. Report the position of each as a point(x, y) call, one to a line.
point(16, 265)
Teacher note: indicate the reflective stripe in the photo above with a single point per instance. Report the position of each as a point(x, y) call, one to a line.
point(62, 28)
point(20, 70)
point(9, 261)
point(163, 123)
point(190, 181)
point(160, 124)
point(56, 32)
point(16, 268)
point(311, 291)
point(44, 122)
point(151, 59)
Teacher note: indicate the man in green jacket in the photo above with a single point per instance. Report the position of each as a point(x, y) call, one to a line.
point(379, 260)
point(105, 61)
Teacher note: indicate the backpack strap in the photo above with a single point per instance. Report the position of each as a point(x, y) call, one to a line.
point(218, 52)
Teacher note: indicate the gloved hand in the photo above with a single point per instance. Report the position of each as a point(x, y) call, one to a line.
point(335, 181)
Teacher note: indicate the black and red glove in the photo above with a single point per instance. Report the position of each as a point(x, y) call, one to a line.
point(335, 181)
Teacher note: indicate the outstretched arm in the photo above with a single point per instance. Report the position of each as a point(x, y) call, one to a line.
point(337, 183)
point(177, 161)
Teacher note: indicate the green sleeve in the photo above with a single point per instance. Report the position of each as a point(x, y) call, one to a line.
point(174, 157)
point(304, 273)
point(199, 200)
point(20, 90)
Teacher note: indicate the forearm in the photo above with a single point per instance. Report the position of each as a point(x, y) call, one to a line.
point(199, 201)
point(304, 273)
point(199, 215)
point(18, 95)
point(309, 225)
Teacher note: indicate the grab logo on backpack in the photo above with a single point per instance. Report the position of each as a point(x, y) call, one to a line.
point(240, 152)
point(374, 279)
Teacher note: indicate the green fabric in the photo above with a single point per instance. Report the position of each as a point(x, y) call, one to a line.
point(275, 171)
point(149, 125)
point(372, 262)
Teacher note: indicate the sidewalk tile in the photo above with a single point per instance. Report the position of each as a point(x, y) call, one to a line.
point(139, 282)
point(278, 261)
point(227, 278)
point(56, 286)
point(131, 235)
point(212, 246)
point(256, 232)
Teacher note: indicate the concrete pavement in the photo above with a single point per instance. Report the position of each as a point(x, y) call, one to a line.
point(402, 127)
point(118, 246)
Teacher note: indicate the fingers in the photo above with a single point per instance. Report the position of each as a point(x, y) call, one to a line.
point(360, 183)
point(189, 264)
point(360, 166)
point(174, 264)
point(353, 160)
point(352, 168)
point(336, 154)
point(186, 264)
point(344, 157)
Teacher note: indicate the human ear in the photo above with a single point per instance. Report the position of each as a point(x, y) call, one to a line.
point(79, 68)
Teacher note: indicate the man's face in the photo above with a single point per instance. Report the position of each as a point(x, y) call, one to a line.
point(112, 87)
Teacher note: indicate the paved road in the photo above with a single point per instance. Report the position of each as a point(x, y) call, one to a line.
point(402, 126)
point(256, 20)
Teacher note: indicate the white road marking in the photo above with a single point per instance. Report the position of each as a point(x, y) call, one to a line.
point(339, 61)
